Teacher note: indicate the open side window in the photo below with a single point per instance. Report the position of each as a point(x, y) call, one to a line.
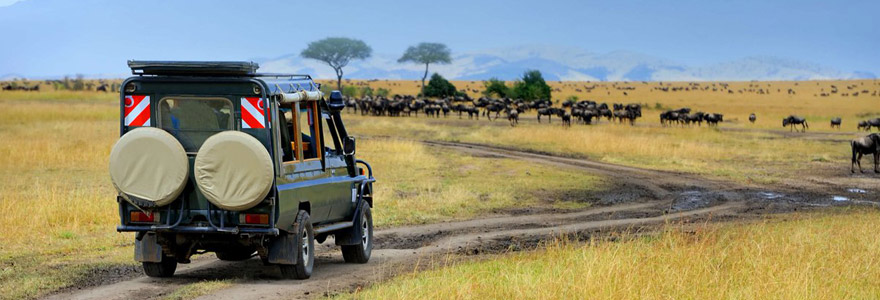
point(301, 134)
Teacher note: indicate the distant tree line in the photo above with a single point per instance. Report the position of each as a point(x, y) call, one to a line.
point(530, 87)
point(337, 52)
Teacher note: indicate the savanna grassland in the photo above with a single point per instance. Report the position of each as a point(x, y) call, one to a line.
point(829, 255)
point(853, 100)
point(762, 152)
point(59, 211)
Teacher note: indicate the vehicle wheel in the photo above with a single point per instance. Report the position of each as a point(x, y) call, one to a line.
point(161, 269)
point(236, 254)
point(363, 228)
point(305, 244)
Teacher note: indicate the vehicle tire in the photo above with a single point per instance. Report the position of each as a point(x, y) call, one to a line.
point(360, 253)
point(165, 268)
point(235, 254)
point(305, 244)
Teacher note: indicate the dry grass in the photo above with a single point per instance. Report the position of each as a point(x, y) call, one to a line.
point(57, 202)
point(814, 256)
point(745, 156)
point(201, 288)
point(770, 107)
point(422, 184)
point(59, 213)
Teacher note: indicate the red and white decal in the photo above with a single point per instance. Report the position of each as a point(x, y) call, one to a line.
point(252, 113)
point(137, 110)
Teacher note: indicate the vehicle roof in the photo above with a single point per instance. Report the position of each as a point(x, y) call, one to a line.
point(276, 83)
point(201, 68)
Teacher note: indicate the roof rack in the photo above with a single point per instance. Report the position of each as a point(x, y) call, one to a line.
point(198, 68)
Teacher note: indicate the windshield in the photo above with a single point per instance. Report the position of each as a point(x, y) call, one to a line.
point(192, 120)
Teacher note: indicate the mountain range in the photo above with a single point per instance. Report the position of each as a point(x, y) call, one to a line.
point(567, 63)
point(554, 62)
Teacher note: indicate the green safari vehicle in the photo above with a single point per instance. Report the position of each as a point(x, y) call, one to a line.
point(215, 157)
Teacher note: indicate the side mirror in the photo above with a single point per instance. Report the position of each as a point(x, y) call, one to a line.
point(348, 145)
point(336, 103)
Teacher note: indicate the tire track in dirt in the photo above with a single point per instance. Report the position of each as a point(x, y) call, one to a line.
point(405, 249)
point(331, 276)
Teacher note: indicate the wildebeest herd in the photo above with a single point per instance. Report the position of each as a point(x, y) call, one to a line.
point(584, 111)
point(10, 87)
point(683, 116)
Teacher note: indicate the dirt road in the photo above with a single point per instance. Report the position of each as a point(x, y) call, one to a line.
point(635, 199)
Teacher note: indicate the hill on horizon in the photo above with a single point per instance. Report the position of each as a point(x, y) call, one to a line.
point(568, 63)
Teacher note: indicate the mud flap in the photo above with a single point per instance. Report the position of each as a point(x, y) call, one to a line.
point(350, 236)
point(282, 250)
point(146, 249)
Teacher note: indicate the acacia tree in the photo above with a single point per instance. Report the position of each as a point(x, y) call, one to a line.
point(426, 53)
point(337, 52)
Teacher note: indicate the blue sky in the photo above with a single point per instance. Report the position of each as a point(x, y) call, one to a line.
point(56, 37)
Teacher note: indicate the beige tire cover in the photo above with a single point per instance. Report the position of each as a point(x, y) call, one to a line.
point(149, 164)
point(233, 170)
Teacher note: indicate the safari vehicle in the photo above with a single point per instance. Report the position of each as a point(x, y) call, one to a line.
point(215, 157)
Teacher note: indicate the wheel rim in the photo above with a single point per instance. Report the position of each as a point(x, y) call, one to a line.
point(305, 248)
point(365, 235)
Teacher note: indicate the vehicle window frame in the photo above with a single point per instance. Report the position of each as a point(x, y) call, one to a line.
point(297, 134)
point(334, 134)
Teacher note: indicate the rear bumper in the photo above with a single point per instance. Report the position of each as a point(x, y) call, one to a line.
point(195, 229)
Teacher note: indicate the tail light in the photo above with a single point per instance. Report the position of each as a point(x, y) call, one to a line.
point(142, 217)
point(255, 219)
point(362, 171)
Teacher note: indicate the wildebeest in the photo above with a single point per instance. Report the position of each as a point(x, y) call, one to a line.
point(696, 117)
point(835, 122)
point(628, 115)
point(867, 124)
point(674, 116)
point(869, 144)
point(752, 118)
point(549, 112)
point(513, 117)
point(713, 119)
point(566, 119)
point(795, 120)
point(495, 107)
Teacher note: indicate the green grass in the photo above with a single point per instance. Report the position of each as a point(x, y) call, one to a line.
point(810, 256)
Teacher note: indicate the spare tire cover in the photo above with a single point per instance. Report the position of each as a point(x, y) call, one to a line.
point(233, 170)
point(149, 165)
